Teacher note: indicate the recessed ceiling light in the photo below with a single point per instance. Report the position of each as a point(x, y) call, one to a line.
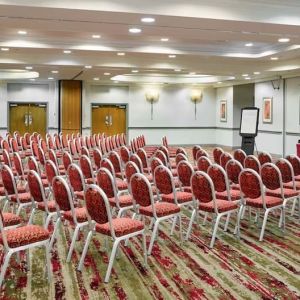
point(172, 56)
point(164, 39)
point(219, 82)
point(50, 78)
point(28, 68)
point(274, 58)
point(177, 70)
point(96, 78)
point(106, 74)
point(134, 71)
point(148, 20)
point(22, 32)
point(245, 75)
point(88, 67)
point(32, 79)
point(121, 53)
point(96, 36)
point(192, 73)
point(67, 51)
point(249, 44)
point(247, 78)
point(135, 30)
point(54, 71)
point(256, 73)
point(283, 40)
point(4, 49)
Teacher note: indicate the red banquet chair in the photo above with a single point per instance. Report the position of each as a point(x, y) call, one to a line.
point(233, 169)
point(217, 152)
point(252, 162)
point(76, 180)
point(295, 162)
point(97, 156)
point(264, 157)
point(125, 154)
point(87, 169)
point(224, 159)
point(203, 163)
point(145, 205)
point(194, 152)
point(204, 192)
point(100, 220)
point(254, 196)
point(201, 152)
point(240, 156)
point(185, 171)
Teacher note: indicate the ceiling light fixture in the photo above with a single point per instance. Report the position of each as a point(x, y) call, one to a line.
point(164, 39)
point(96, 36)
point(256, 73)
point(4, 49)
point(67, 51)
point(192, 73)
point(134, 71)
point(121, 53)
point(54, 72)
point(22, 32)
point(219, 82)
point(249, 44)
point(50, 78)
point(32, 79)
point(28, 68)
point(283, 40)
point(106, 74)
point(148, 20)
point(245, 75)
point(172, 56)
point(274, 58)
point(135, 30)
point(177, 70)
point(247, 78)
point(96, 78)
point(88, 67)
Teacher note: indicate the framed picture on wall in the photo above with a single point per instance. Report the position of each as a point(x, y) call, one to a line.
point(223, 111)
point(267, 110)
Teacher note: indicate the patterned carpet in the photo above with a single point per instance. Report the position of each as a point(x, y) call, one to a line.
point(245, 269)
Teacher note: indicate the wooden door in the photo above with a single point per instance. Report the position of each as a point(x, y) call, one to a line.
point(110, 119)
point(29, 117)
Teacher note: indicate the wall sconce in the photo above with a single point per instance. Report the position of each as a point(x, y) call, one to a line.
point(152, 96)
point(196, 97)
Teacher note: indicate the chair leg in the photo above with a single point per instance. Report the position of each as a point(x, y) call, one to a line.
point(215, 231)
point(180, 229)
point(153, 236)
point(54, 232)
point(120, 213)
point(47, 221)
point(238, 221)
point(28, 259)
point(4, 266)
point(293, 207)
point(188, 233)
point(263, 225)
point(86, 246)
point(5, 205)
point(75, 234)
point(144, 246)
point(205, 218)
point(48, 261)
point(173, 225)
point(31, 216)
point(227, 222)
point(111, 260)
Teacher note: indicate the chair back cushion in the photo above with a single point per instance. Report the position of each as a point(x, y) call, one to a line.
point(163, 180)
point(140, 190)
point(250, 184)
point(201, 187)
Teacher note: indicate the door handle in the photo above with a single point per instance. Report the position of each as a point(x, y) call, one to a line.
point(110, 120)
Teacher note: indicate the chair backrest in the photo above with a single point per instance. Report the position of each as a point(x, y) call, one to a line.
point(85, 151)
point(113, 156)
point(203, 163)
point(250, 184)
point(72, 148)
point(233, 169)
point(77, 145)
point(5, 146)
point(164, 180)
point(155, 162)
point(97, 155)
point(14, 145)
point(224, 159)
point(44, 146)
point(106, 182)
point(24, 143)
point(182, 151)
point(106, 163)
point(264, 157)
point(218, 177)
point(141, 153)
point(239, 155)
point(8, 180)
point(67, 159)
point(35, 186)
point(86, 166)
point(62, 194)
point(52, 157)
point(160, 155)
point(271, 176)
point(130, 169)
point(195, 149)
point(201, 152)
point(185, 172)
point(51, 171)
point(202, 187)
point(57, 142)
point(136, 159)
point(286, 170)
point(6, 158)
point(295, 162)
point(124, 152)
point(18, 164)
point(76, 178)
point(251, 162)
point(141, 190)
point(34, 148)
point(41, 156)
point(33, 165)
point(64, 141)
point(180, 157)
point(165, 152)
point(217, 152)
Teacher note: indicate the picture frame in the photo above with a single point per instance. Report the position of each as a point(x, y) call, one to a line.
point(267, 110)
point(223, 111)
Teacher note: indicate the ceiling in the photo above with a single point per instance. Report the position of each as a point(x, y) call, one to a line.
point(206, 38)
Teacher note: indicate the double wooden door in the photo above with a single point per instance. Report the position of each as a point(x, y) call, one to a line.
point(110, 119)
point(28, 117)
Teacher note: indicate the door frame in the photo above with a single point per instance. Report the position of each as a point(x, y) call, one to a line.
point(27, 102)
point(110, 104)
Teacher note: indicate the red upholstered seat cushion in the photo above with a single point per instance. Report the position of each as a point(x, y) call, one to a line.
point(149, 177)
point(43, 176)
point(25, 235)
point(235, 195)
point(10, 219)
point(146, 170)
point(119, 175)
point(79, 194)
point(223, 205)
point(124, 200)
point(23, 197)
point(162, 209)
point(187, 189)
point(21, 188)
point(45, 182)
point(2, 191)
point(50, 204)
point(297, 178)
point(80, 213)
point(270, 202)
point(235, 186)
point(121, 184)
point(288, 193)
point(289, 185)
point(90, 181)
point(174, 172)
point(182, 197)
point(122, 226)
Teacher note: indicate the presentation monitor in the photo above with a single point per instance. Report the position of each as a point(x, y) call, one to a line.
point(249, 121)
